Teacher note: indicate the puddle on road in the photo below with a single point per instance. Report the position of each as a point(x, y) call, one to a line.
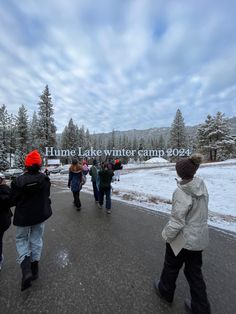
point(62, 258)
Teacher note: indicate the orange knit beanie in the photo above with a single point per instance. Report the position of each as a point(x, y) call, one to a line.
point(33, 158)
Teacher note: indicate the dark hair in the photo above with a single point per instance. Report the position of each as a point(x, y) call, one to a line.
point(74, 161)
point(34, 168)
point(95, 162)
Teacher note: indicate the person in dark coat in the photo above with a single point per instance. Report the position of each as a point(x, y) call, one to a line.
point(75, 181)
point(5, 212)
point(30, 193)
point(105, 178)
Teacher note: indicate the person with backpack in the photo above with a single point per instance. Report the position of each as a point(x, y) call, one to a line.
point(75, 181)
point(186, 236)
point(5, 213)
point(30, 193)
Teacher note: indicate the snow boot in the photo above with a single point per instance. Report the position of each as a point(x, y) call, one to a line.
point(35, 270)
point(26, 273)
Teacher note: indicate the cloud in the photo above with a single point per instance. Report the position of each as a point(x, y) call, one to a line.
point(119, 64)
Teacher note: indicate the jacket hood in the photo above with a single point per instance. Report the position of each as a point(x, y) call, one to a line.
point(76, 168)
point(31, 183)
point(195, 187)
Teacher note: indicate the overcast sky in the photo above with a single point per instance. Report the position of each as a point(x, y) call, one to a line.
point(119, 64)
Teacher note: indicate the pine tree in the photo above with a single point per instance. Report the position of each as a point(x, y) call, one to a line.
point(161, 142)
point(12, 138)
point(70, 138)
point(33, 131)
point(94, 141)
point(46, 127)
point(214, 138)
point(112, 140)
point(22, 144)
point(4, 138)
point(178, 138)
point(81, 142)
point(87, 139)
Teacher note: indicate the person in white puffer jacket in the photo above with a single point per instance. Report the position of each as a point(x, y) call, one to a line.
point(186, 236)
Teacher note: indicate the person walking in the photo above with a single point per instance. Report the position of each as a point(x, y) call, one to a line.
point(117, 169)
point(186, 236)
point(75, 181)
point(93, 172)
point(105, 178)
point(30, 193)
point(5, 213)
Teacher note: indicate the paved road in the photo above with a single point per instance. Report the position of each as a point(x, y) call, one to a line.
point(95, 263)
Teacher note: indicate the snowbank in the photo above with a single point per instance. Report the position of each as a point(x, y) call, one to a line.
point(156, 160)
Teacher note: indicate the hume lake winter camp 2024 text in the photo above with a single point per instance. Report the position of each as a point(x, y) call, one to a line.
point(79, 152)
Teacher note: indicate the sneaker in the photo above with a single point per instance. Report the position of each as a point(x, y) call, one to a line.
point(187, 305)
point(108, 211)
point(158, 292)
point(78, 208)
point(99, 206)
point(1, 262)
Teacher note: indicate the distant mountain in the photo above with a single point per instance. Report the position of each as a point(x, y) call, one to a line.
point(153, 132)
point(156, 132)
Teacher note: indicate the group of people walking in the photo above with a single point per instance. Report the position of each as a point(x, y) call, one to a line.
point(186, 233)
point(101, 178)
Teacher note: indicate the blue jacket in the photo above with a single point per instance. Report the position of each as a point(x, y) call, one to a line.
point(75, 181)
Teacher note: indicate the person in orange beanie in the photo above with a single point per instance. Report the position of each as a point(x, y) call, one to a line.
point(30, 193)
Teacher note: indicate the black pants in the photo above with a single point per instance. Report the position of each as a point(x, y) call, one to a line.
point(95, 191)
point(192, 261)
point(1, 237)
point(77, 199)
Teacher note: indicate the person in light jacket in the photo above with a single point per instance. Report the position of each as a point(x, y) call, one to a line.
point(186, 236)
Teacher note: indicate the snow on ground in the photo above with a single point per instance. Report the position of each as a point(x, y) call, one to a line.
point(152, 188)
point(155, 160)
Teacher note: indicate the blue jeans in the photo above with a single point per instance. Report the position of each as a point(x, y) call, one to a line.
point(106, 192)
point(29, 242)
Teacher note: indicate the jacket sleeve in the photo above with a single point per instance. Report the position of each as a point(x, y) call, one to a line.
point(70, 178)
point(4, 201)
point(14, 194)
point(181, 204)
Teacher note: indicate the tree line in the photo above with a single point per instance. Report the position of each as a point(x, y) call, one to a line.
point(19, 134)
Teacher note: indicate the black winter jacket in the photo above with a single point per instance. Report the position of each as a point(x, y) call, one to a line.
point(105, 178)
point(31, 196)
point(5, 211)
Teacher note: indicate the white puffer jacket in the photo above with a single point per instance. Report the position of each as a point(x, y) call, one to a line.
point(189, 215)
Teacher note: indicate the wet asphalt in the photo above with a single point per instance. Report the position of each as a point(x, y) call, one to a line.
point(93, 262)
